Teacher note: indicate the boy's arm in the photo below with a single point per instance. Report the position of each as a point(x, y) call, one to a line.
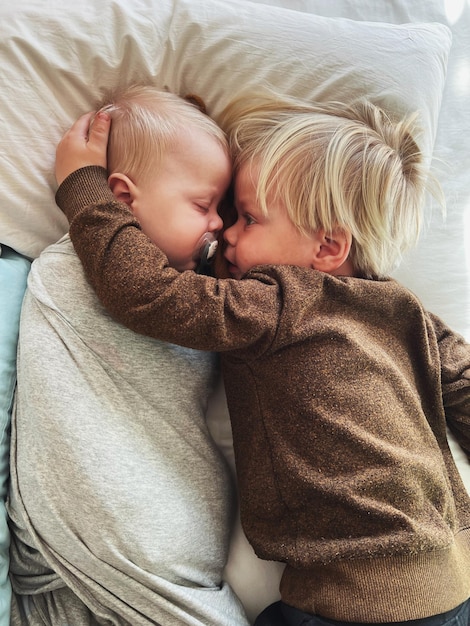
point(455, 380)
point(132, 277)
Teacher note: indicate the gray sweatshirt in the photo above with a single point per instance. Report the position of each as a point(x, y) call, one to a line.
point(120, 502)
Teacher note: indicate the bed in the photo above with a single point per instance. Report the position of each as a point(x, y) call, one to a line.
point(56, 62)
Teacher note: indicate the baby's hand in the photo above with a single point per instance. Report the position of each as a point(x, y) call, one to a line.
point(82, 145)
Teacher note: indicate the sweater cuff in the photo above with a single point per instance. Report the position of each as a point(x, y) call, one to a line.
point(87, 186)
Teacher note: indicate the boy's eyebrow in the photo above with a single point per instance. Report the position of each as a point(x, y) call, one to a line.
point(239, 201)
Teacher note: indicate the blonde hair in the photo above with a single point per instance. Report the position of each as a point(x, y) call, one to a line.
point(335, 167)
point(146, 122)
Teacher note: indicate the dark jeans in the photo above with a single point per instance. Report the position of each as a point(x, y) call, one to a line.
point(280, 614)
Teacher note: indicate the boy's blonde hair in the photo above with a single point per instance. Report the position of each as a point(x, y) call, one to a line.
point(335, 166)
point(146, 122)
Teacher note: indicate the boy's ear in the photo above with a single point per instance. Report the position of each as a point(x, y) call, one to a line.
point(122, 188)
point(332, 251)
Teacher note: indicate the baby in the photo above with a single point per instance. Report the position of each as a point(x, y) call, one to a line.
point(121, 504)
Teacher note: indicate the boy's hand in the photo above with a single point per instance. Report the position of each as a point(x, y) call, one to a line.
point(82, 145)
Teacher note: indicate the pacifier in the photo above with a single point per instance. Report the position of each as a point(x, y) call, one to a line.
point(205, 251)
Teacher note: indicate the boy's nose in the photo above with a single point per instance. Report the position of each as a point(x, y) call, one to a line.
point(230, 235)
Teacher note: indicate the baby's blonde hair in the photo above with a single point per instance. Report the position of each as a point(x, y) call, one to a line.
point(335, 167)
point(146, 122)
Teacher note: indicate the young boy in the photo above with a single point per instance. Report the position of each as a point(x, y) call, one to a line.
point(120, 502)
point(339, 384)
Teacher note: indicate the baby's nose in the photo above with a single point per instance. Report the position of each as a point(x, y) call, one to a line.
point(217, 223)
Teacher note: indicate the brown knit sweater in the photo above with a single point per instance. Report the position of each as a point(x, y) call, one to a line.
point(339, 391)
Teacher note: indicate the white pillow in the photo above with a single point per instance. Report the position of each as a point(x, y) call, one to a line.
point(56, 61)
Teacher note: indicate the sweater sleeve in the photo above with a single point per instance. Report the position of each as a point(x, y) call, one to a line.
point(134, 282)
point(455, 378)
